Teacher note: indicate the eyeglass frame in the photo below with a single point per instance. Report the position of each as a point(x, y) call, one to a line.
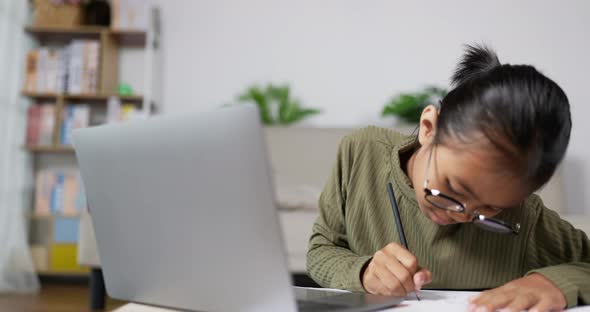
point(477, 219)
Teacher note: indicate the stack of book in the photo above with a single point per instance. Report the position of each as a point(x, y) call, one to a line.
point(40, 124)
point(60, 192)
point(73, 69)
point(83, 67)
point(74, 117)
point(117, 112)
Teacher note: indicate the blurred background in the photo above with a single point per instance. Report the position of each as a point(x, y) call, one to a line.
point(317, 69)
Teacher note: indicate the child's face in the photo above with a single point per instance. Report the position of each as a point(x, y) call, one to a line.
point(472, 174)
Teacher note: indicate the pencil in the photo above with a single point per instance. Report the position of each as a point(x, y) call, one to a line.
point(398, 221)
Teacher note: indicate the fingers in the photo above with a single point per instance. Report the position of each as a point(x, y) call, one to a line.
point(397, 270)
point(520, 303)
point(406, 258)
point(490, 300)
point(370, 281)
point(421, 278)
point(532, 291)
point(392, 272)
point(393, 286)
point(543, 305)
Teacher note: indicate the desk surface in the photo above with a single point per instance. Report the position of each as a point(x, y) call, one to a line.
point(431, 300)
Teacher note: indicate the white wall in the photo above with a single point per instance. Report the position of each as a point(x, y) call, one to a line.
point(349, 57)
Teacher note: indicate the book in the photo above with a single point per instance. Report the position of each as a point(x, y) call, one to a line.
point(56, 199)
point(60, 192)
point(33, 125)
point(72, 194)
point(74, 117)
point(31, 71)
point(47, 123)
point(43, 188)
point(128, 112)
point(83, 71)
point(66, 230)
point(91, 69)
point(50, 71)
point(73, 69)
point(39, 257)
point(62, 70)
point(75, 66)
point(43, 56)
point(63, 257)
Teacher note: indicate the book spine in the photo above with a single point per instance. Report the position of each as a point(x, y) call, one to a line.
point(33, 116)
point(61, 71)
point(92, 66)
point(43, 189)
point(67, 55)
point(75, 67)
point(81, 116)
point(128, 112)
point(57, 195)
point(47, 124)
point(31, 71)
point(84, 76)
point(70, 192)
point(42, 70)
point(51, 71)
point(66, 126)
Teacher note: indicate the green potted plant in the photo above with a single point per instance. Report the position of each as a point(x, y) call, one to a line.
point(409, 106)
point(276, 105)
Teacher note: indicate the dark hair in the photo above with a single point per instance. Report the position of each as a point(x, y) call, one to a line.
point(522, 112)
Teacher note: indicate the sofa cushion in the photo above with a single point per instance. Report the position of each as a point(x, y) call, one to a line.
point(296, 196)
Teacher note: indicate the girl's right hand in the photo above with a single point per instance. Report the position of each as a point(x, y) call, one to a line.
point(394, 271)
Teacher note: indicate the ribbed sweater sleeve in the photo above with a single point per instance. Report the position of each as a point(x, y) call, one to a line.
point(561, 253)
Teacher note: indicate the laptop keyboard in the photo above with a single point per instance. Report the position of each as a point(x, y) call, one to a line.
point(317, 306)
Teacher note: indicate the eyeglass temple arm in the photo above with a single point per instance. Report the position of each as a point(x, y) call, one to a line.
point(427, 168)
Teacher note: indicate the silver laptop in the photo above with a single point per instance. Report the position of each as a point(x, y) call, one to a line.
point(184, 214)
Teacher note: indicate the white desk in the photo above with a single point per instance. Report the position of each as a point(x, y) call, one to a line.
point(431, 300)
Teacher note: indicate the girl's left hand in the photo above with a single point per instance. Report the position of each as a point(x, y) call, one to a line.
point(534, 292)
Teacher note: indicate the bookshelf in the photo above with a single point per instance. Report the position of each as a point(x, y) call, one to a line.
point(124, 36)
point(87, 96)
point(53, 245)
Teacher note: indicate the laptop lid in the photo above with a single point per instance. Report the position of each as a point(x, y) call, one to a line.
point(184, 212)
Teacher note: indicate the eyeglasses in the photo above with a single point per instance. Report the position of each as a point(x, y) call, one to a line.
point(445, 202)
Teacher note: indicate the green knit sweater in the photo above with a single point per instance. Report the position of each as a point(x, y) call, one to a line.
point(356, 220)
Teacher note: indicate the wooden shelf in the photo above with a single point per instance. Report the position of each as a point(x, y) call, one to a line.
point(52, 216)
point(87, 97)
point(40, 95)
point(103, 97)
point(123, 36)
point(81, 30)
point(49, 149)
point(63, 273)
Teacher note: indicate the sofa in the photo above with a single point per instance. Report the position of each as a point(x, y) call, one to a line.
point(301, 161)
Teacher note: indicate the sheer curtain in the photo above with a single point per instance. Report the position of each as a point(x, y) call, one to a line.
point(16, 268)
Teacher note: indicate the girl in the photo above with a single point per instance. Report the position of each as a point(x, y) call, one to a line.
point(464, 188)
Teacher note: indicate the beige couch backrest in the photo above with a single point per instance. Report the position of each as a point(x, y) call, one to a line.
point(306, 156)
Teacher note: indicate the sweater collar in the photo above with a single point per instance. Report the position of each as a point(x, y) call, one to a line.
point(400, 178)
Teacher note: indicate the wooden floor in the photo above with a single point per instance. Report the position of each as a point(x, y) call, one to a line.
point(53, 298)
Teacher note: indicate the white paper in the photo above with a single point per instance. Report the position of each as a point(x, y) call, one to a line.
point(436, 300)
point(135, 307)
